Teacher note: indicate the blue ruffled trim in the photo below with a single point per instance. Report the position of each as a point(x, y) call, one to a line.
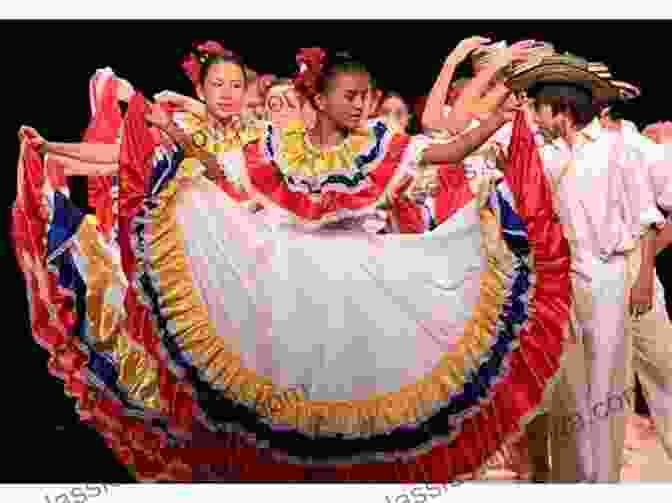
point(65, 222)
point(103, 372)
point(374, 153)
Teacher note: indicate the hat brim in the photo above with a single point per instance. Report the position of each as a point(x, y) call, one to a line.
point(562, 73)
point(628, 91)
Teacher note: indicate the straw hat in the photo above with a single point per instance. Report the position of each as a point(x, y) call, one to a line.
point(566, 69)
point(540, 51)
point(485, 54)
point(628, 91)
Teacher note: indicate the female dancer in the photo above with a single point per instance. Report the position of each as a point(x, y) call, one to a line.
point(245, 334)
point(395, 109)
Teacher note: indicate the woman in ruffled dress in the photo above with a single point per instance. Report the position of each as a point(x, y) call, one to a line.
point(309, 329)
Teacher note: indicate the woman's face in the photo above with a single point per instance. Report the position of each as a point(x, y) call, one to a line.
point(344, 100)
point(396, 109)
point(223, 90)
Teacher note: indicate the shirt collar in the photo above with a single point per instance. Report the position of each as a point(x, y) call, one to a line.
point(592, 131)
point(588, 134)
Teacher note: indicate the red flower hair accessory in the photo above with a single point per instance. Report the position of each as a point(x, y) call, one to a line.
point(312, 59)
point(311, 62)
point(200, 53)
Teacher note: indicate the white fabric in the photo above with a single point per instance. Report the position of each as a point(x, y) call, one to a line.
point(305, 308)
point(606, 199)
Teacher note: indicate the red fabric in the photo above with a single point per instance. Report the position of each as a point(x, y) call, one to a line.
point(133, 442)
point(454, 192)
point(137, 147)
point(237, 194)
point(103, 128)
point(265, 179)
point(405, 212)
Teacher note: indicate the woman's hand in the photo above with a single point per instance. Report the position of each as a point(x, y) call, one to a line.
point(466, 46)
point(158, 117)
point(125, 90)
point(180, 102)
point(507, 111)
point(33, 137)
point(516, 53)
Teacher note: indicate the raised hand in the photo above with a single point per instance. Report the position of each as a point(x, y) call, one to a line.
point(466, 46)
point(125, 90)
point(520, 51)
point(513, 105)
point(33, 137)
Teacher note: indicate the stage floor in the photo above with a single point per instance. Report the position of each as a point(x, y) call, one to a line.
point(645, 458)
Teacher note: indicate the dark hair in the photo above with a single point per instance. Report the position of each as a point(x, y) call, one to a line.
point(320, 71)
point(224, 58)
point(393, 94)
point(197, 63)
point(573, 99)
point(619, 109)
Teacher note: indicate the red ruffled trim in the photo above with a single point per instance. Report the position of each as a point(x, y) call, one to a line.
point(132, 440)
point(265, 178)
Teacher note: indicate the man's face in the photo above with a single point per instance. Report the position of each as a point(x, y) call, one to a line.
point(547, 122)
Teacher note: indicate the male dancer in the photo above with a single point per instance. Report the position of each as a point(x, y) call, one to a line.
point(607, 207)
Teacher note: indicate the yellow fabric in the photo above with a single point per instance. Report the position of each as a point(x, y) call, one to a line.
point(297, 156)
point(106, 286)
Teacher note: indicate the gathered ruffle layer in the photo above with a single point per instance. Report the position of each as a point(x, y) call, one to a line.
point(135, 346)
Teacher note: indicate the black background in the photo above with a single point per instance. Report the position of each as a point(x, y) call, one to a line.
point(45, 71)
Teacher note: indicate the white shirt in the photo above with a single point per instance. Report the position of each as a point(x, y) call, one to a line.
point(659, 162)
point(605, 198)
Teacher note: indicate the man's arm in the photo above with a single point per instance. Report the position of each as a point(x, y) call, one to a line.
point(641, 295)
point(664, 238)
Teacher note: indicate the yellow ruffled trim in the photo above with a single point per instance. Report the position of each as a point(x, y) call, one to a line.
point(187, 314)
point(234, 137)
point(296, 156)
point(106, 287)
point(333, 217)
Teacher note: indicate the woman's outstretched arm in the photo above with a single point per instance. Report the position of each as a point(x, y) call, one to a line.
point(75, 167)
point(463, 145)
point(97, 153)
